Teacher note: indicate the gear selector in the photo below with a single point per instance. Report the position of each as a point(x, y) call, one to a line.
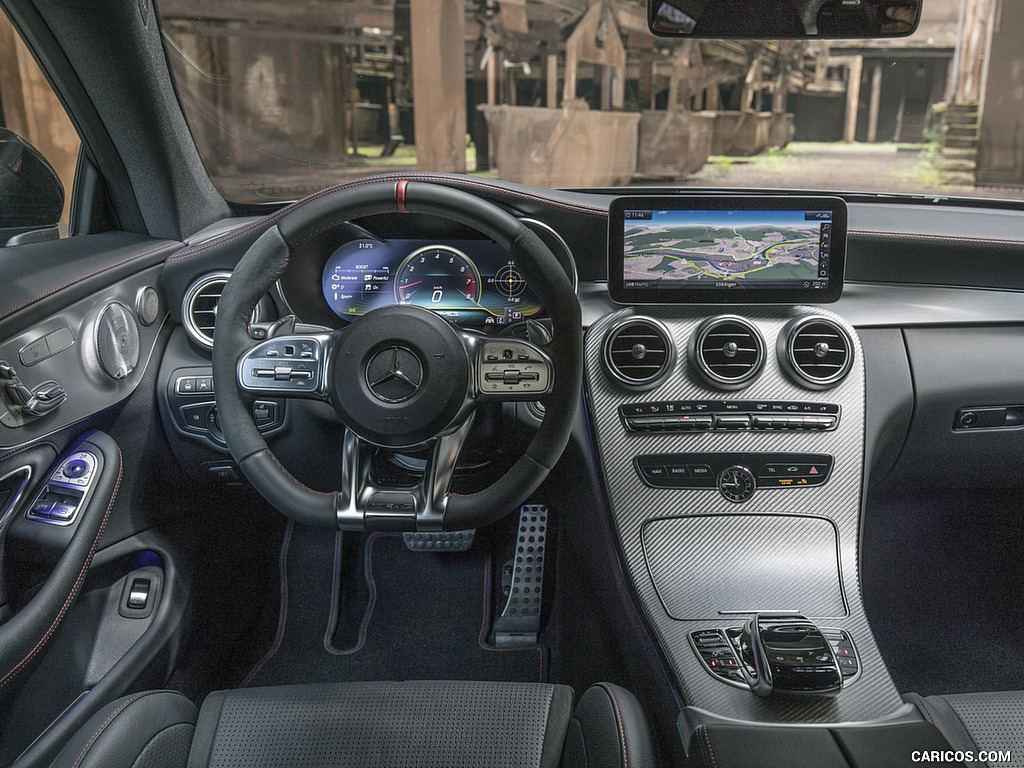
point(788, 654)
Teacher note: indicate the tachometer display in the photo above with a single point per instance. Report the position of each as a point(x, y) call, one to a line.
point(469, 282)
point(438, 276)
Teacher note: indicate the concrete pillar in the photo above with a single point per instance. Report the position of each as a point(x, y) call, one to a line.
point(876, 99)
point(853, 99)
point(439, 84)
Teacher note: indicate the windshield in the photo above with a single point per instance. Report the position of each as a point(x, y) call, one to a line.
point(283, 100)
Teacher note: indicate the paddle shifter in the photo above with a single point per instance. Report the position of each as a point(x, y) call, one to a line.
point(790, 655)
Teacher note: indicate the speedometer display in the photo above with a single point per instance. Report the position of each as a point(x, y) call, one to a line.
point(470, 282)
point(438, 275)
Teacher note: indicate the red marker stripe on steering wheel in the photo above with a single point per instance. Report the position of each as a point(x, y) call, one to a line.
point(400, 196)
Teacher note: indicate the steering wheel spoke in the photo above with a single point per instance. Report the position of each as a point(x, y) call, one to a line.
point(287, 366)
point(366, 506)
point(508, 369)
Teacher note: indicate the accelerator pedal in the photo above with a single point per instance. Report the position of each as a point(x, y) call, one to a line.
point(519, 622)
point(445, 541)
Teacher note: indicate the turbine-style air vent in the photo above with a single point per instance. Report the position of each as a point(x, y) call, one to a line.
point(638, 353)
point(816, 352)
point(199, 309)
point(727, 351)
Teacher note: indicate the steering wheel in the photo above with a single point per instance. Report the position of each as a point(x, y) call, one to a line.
point(398, 377)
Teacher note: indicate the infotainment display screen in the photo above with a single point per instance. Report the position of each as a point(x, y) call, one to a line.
point(726, 249)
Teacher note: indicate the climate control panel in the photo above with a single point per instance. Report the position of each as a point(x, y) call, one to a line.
point(729, 416)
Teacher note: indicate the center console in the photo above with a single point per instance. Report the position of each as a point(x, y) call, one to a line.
point(731, 441)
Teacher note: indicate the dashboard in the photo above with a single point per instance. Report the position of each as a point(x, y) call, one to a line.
point(468, 282)
point(339, 275)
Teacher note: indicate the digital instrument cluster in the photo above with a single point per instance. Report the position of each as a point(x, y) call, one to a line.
point(469, 282)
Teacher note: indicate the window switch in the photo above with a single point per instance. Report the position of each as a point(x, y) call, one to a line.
point(138, 596)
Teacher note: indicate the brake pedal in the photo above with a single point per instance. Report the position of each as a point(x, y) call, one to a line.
point(519, 623)
point(444, 541)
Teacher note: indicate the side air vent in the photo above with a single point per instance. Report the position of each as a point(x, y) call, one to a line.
point(638, 353)
point(816, 352)
point(727, 351)
point(199, 309)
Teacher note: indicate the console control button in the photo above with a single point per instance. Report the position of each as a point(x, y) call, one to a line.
point(766, 470)
point(684, 415)
point(655, 472)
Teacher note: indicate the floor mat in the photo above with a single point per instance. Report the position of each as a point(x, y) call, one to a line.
point(942, 578)
point(398, 615)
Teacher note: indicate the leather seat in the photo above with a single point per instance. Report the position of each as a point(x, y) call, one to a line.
point(445, 724)
point(976, 722)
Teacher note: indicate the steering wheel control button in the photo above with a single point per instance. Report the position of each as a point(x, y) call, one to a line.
point(394, 374)
point(729, 415)
point(510, 367)
point(737, 484)
point(289, 364)
point(705, 471)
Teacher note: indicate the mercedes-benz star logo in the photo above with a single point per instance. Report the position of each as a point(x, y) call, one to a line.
point(394, 374)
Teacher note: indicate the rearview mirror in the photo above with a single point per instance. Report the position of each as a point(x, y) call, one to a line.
point(774, 19)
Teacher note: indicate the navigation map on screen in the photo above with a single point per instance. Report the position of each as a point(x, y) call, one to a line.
point(714, 248)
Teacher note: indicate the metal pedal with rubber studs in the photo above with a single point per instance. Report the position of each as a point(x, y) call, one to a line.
point(519, 623)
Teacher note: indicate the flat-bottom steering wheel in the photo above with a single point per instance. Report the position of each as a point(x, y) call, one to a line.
point(400, 376)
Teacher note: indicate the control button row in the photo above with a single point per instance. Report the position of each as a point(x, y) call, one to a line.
point(76, 470)
point(700, 471)
point(728, 422)
point(193, 385)
point(670, 423)
point(47, 346)
point(793, 470)
point(718, 655)
point(286, 364)
point(713, 407)
point(54, 509)
point(511, 367)
point(846, 654)
point(677, 471)
point(202, 417)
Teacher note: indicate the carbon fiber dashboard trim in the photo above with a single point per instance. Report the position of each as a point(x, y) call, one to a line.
point(766, 563)
point(634, 505)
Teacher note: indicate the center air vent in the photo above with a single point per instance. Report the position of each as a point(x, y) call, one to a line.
point(727, 351)
point(638, 353)
point(816, 352)
point(199, 310)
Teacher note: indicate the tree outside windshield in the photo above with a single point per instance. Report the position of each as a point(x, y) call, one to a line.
point(284, 99)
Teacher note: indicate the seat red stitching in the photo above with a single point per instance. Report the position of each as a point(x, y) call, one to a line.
point(707, 740)
point(103, 727)
point(618, 716)
point(87, 274)
point(924, 709)
point(75, 587)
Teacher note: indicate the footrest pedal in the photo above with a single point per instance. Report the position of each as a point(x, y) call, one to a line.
point(443, 541)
